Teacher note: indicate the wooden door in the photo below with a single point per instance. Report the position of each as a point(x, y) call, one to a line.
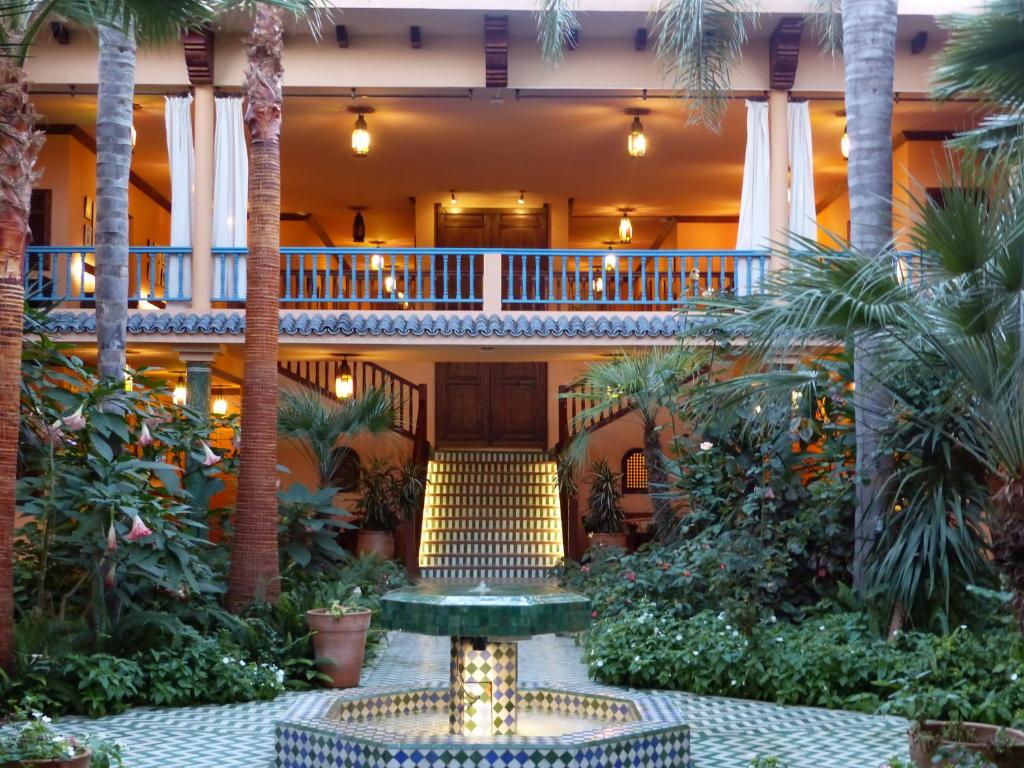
point(491, 405)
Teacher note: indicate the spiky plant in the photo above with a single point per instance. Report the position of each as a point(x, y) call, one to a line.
point(604, 500)
point(556, 24)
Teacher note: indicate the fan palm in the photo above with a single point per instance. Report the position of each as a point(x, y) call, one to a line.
point(317, 424)
point(647, 382)
point(959, 321)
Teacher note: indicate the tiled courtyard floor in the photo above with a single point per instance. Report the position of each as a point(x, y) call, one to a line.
point(726, 733)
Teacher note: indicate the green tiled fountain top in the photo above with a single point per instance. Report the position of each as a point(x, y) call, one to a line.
point(500, 610)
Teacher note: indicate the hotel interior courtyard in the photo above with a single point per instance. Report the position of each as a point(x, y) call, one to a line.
point(512, 387)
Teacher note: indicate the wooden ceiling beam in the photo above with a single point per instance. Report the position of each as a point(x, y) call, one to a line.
point(198, 44)
point(784, 52)
point(496, 51)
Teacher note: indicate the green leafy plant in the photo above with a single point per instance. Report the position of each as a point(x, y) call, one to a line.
point(604, 500)
point(378, 505)
point(308, 529)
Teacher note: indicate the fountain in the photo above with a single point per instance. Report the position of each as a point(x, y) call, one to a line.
point(483, 718)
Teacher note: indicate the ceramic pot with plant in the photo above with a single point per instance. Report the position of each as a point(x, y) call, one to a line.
point(34, 743)
point(339, 639)
point(605, 518)
point(377, 509)
point(942, 744)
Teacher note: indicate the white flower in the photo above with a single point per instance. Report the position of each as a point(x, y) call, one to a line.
point(822, 628)
point(696, 653)
point(357, 592)
point(721, 616)
point(778, 640)
point(1014, 677)
point(732, 682)
point(707, 445)
point(679, 638)
point(599, 663)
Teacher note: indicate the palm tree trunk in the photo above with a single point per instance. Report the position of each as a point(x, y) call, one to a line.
point(19, 148)
point(869, 53)
point(254, 571)
point(657, 479)
point(113, 169)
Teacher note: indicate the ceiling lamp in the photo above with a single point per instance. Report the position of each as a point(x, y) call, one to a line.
point(344, 386)
point(358, 226)
point(844, 144)
point(454, 200)
point(611, 261)
point(636, 142)
point(180, 395)
point(361, 132)
point(522, 197)
point(625, 227)
point(220, 404)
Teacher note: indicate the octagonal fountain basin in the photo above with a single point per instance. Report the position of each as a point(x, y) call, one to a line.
point(411, 729)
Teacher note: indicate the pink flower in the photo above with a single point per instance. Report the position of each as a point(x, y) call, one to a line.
point(593, 614)
point(209, 457)
point(139, 530)
point(722, 566)
point(822, 573)
point(111, 539)
point(630, 576)
point(686, 574)
point(585, 569)
point(54, 434)
point(145, 438)
point(75, 421)
point(110, 577)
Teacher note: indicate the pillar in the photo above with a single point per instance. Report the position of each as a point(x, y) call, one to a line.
point(424, 214)
point(558, 217)
point(198, 376)
point(492, 283)
point(483, 687)
point(778, 138)
point(202, 220)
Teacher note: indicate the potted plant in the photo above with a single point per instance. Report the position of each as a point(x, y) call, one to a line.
point(946, 743)
point(339, 638)
point(33, 743)
point(605, 518)
point(408, 488)
point(378, 510)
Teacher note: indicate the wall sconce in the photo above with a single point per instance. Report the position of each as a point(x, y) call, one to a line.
point(361, 131)
point(453, 201)
point(344, 386)
point(636, 142)
point(180, 395)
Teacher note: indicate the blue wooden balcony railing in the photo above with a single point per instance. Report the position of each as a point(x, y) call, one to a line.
point(67, 274)
point(627, 280)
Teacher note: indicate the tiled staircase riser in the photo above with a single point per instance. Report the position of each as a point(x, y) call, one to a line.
point(490, 515)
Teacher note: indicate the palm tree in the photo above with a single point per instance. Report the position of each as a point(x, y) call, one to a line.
point(19, 146)
point(113, 169)
point(869, 56)
point(254, 559)
point(961, 317)
point(317, 424)
point(647, 382)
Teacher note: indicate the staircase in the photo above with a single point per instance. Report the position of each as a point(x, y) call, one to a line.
point(490, 515)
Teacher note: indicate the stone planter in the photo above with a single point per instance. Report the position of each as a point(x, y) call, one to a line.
point(78, 761)
point(339, 643)
point(923, 750)
point(620, 540)
point(380, 543)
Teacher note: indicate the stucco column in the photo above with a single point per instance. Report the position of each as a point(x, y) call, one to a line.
point(202, 221)
point(492, 283)
point(778, 137)
point(198, 376)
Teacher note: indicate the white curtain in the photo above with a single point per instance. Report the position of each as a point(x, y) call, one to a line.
point(181, 157)
point(230, 194)
point(803, 222)
point(754, 231)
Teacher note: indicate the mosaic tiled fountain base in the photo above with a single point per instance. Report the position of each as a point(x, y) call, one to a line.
point(409, 729)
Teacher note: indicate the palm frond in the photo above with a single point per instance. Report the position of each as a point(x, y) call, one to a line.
point(556, 24)
point(698, 44)
point(827, 23)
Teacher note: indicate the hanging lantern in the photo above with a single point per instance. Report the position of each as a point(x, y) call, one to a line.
point(522, 198)
point(636, 141)
point(611, 261)
point(389, 285)
point(344, 386)
point(358, 227)
point(361, 131)
point(180, 395)
point(844, 144)
point(454, 201)
point(598, 284)
point(220, 404)
point(625, 227)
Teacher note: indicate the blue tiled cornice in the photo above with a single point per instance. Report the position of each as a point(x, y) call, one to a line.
point(392, 325)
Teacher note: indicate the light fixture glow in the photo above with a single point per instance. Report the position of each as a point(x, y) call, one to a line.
point(625, 227)
point(598, 284)
point(454, 200)
point(376, 262)
point(135, 136)
point(611, 261)
point(344, 387)
point(844, 144)
point(180, 395)
point(522, 198)
point(636, 142)
point(220, 405)
point(129, 382)
point(361, 133)
point(389, 284)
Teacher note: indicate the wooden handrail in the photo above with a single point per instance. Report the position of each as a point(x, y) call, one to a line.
point(569, 409)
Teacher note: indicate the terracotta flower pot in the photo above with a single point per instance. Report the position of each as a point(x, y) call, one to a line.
point(380, 543)
point(923, 751)
point(620, 540)
point(339, 644)
point(78, 761)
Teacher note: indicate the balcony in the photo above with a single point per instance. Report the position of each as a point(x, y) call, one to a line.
point(418, 280)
